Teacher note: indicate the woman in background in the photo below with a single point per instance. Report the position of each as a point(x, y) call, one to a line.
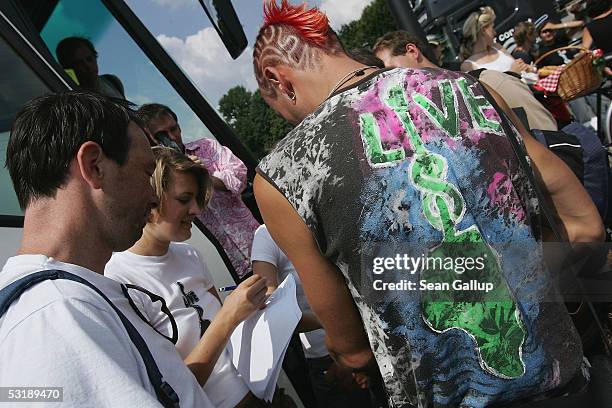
point(478, 47)
point(524, 36)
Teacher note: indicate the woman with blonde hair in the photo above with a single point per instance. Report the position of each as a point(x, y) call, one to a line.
point(478, 47)
point(162, 269)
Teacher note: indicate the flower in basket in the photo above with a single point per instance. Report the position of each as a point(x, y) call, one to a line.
point(598, 60)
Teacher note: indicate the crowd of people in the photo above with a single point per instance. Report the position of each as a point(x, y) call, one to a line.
point(392, 157)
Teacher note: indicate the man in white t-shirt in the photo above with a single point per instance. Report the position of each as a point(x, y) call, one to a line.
point(80, 165)
point(270, 262)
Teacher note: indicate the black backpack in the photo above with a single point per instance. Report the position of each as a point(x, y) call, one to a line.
point(582, 151)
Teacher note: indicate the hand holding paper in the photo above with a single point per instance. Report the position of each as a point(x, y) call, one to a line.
point(258, 344)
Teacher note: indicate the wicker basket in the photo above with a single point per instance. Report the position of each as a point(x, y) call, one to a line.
point(578, 78)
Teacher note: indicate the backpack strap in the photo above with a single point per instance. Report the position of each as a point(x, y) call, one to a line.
point(539, 136)
point(164, 392)
point(520, 113)
point(476, 72)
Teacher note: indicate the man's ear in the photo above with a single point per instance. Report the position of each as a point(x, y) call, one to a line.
point(89, 159)
point(413, 51)
point(279, 79)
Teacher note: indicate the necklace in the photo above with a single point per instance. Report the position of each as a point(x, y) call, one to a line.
point(355, 73)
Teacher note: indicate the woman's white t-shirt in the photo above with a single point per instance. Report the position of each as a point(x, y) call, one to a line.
point(182, 279)
point(502, 63)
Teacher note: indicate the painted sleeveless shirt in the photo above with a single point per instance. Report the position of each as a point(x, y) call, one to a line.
point(402, 179)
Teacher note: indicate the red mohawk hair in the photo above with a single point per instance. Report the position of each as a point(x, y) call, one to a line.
point(311, 24)
point(294, 36)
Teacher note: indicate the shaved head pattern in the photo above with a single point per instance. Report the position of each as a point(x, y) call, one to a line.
point(294, 36)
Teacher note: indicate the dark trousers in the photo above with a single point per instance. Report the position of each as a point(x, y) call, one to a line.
point(329, 396)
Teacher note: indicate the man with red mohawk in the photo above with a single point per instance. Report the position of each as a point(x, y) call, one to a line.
point(410, 215)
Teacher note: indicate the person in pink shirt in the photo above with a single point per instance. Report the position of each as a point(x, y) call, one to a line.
point(227, 218)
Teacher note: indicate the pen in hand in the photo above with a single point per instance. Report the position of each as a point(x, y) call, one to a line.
point(227, 288)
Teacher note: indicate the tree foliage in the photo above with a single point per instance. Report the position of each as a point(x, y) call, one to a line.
point(256, 124)
point(375, 21)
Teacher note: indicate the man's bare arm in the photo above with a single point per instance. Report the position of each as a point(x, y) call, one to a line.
point(574, 209)
point(324, 285)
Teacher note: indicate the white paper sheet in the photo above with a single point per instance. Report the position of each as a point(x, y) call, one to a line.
point(258, 344)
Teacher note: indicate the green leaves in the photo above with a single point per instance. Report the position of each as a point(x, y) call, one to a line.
point(254, 122)
point(376, 20)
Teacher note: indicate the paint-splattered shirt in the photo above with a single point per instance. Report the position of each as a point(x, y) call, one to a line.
point(411, 187)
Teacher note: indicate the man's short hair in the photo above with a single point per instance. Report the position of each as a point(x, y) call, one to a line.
point(65, 49)
point(48, 132)
point(294, 36)
point(396, 41)
point(168, 160)
point(154, 111)
point(366, 57)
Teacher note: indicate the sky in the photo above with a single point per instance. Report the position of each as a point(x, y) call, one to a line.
point(184, 31)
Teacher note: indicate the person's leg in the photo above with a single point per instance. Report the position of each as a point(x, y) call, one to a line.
point(581, 110)
point(323, 390)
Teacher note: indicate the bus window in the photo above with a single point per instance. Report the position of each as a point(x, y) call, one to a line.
point(18, 84)
point(121, 57)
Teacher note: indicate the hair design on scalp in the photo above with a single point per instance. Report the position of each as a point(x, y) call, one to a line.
point(168, 160)
point(293, 36)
